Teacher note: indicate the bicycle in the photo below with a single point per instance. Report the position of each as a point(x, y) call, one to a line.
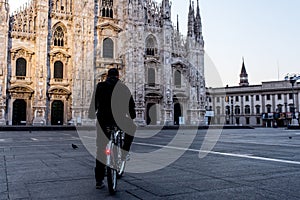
point(115, 166)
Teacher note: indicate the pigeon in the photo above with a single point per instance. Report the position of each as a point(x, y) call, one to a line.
point(74, 146)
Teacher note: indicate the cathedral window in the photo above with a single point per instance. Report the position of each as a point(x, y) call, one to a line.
point(177, 78)
point(107, 12)
point(30, 26)
point(151, 77)
point(108, 48)
point(58, 37)
point(103, 12)
point(150, 52)
point(151, 49)
point(107, 8)
point(58, 4)
point(58, 70)
point(21, 67)
point(111, 13)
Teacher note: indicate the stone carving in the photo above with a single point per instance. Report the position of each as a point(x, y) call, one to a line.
point(40, 93)
point(41, 71)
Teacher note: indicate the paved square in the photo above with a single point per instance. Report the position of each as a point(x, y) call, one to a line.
point(244, 164)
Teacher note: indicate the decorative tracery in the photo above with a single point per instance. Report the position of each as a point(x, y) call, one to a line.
point(58, 37)
point(151, 46)
point(107, 8)
point(23, 23)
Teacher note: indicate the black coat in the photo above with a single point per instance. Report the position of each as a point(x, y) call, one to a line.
point(114, 104)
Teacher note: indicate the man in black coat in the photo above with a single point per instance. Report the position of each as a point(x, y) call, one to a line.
point(114, 106)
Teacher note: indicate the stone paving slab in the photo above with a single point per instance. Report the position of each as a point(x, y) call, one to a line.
point(4, 195)
point(20, 192)
point(3, 187)
point(61, 188)
point(162, 188)
point(236, 193)
point(48, 168)
point(288, 185)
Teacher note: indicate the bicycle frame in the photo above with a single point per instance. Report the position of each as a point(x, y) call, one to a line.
point(116, 139)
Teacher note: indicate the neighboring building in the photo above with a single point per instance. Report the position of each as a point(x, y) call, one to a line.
point(54, 51)
point(269, 104)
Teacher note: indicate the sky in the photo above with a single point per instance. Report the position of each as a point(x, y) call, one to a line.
point(266, 33)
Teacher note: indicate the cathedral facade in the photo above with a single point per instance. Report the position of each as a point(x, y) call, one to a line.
point(55, 51)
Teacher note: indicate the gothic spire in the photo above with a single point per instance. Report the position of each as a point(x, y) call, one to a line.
point(4, 8)
point(166, 9)
point(166, 2)
point(177, 24)
point(244, 76)
point(191, 20)
point(198, 11)
point(198, 25)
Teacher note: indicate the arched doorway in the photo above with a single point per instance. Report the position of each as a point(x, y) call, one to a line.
point(177, 113)
point(19, 112)
point(151, 114)
point(57, 113)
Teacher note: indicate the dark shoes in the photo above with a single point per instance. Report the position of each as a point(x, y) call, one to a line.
point(100, 185)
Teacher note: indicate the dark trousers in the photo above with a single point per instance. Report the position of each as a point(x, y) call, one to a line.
point(103, 136)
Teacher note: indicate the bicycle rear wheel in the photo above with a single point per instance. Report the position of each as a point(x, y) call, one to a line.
point(121, 169)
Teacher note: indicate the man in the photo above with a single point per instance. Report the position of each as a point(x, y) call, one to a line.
point(114, 106)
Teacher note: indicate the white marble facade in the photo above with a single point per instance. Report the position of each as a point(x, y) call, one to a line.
point(54, 52)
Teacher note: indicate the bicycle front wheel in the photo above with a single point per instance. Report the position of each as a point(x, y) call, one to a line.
point(120, 163)
point(112, 180)
point(111, 169)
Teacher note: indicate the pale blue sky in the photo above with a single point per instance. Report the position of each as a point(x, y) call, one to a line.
point(265, 32)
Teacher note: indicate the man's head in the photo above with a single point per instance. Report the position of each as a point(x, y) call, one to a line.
point(113, 72)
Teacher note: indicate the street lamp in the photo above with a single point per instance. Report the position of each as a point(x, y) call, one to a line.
point(292, 78)
point(231, 110)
